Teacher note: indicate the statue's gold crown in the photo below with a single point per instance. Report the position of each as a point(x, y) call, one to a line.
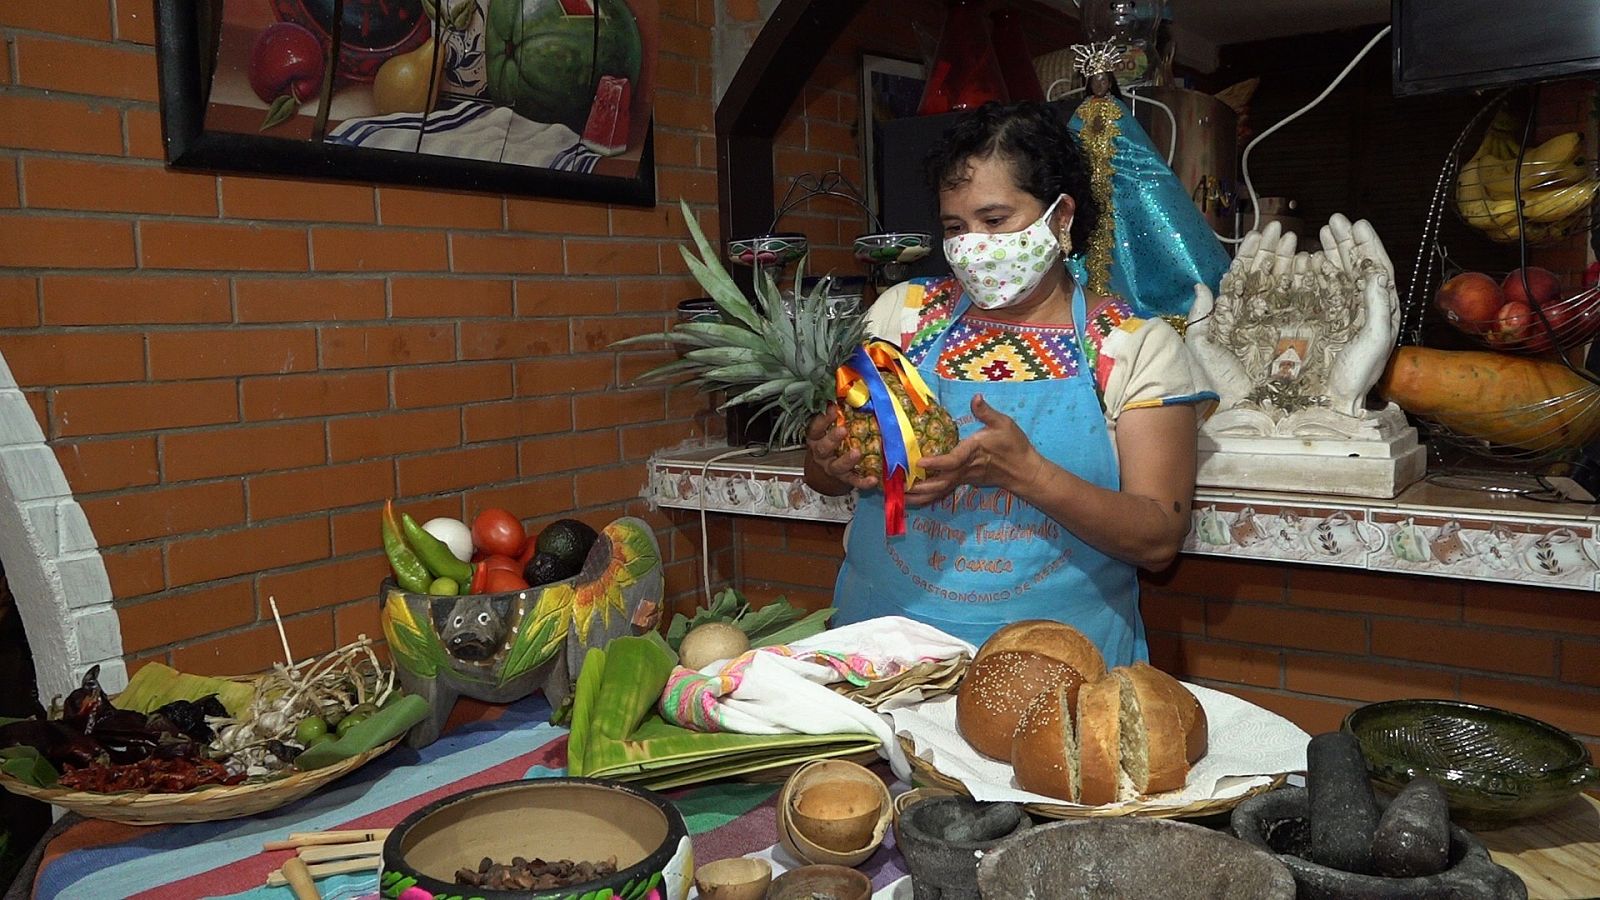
point(1097, 58)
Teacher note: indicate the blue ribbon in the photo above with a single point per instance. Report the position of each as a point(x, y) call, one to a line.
point(895, 457)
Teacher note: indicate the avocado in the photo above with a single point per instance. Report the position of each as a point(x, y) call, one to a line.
point(568, 540)
point(546, 568)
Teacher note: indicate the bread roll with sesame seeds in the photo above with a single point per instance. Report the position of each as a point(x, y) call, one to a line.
point(1100, 773)
point(1044, 751)
point(1056, 640)
point(999, 687)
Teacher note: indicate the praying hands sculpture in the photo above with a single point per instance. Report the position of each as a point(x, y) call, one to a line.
point(1293, 341)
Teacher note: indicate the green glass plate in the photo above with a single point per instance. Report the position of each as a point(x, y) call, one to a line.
point(1496, 766)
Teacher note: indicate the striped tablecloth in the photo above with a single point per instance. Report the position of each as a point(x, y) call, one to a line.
point(94, 860)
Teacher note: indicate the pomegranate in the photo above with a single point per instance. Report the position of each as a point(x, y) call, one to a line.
point(1471, 302)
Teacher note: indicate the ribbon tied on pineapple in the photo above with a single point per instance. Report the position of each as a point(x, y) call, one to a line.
point(861, 385)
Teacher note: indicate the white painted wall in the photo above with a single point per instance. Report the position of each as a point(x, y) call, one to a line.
point(51, 558)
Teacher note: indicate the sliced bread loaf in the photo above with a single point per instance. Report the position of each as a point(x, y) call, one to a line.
point(1150, 729)
point(1100, 774)
point(1044, 752)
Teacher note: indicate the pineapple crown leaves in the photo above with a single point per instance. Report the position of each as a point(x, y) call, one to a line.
point(758, 353)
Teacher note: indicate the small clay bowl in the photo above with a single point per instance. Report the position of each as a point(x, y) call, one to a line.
point(807, 882)
point(739, 878)
point(833, 812)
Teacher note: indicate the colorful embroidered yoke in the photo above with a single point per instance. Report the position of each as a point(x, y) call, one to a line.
point(1136, 362)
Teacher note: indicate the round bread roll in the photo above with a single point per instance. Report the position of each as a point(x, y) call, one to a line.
point(1190, 714)
point(1044, 751)
point(1100, 774)
point(1154, 747)
point(997, 690)
point(1048, 638)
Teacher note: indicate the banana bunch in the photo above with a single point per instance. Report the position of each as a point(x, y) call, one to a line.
point(1555, 182)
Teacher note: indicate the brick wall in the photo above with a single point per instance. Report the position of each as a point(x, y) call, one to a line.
point(234, 372)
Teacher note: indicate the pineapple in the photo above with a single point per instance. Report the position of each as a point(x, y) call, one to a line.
point(760, 354)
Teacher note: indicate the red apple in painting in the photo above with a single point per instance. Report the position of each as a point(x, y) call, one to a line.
point(287, 61)
point(1470, 301)
point(1545, 287)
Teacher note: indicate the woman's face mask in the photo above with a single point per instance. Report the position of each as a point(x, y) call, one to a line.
point(999, 270)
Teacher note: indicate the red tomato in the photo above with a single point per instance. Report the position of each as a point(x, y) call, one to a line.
point(480, 575)
point(499, 532)
point(498, 563)
point(500, 581)
point(529, 547)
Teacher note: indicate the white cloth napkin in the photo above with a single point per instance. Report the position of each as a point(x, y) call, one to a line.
point(785, 690)
point(472, 129)
point(1248, 745)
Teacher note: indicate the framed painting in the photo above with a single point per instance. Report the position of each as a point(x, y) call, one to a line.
point(890, 89)
point(548, 98)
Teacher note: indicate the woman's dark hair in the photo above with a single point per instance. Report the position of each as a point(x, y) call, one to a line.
point(1045, 157)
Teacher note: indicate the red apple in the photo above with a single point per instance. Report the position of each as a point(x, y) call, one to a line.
point(1591, 275)
point(1545, 287)
point(287, 60)
point(1470, 301)
point(1515, 323)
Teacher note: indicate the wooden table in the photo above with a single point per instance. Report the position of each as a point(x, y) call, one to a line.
point(1557, 855)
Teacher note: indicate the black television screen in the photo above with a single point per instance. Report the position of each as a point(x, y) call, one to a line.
point(1458, 45)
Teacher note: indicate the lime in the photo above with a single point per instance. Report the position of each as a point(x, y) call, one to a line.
point(309, 729)
point(355, 717)
point(322, 738)
point(444, 587)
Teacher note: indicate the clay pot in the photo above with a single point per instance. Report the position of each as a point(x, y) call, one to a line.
point(833, 812)
point(943, 837)
point(740, 878)
point(807, 882)
point(552, 818)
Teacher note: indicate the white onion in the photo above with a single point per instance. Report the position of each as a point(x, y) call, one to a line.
point(454, 533)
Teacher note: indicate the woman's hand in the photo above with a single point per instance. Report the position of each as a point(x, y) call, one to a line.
point(998, 454)
point(828, 472)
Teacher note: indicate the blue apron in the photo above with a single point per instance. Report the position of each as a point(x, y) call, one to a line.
point(982, 557)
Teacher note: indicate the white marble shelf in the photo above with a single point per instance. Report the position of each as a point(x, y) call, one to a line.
point(1427, 530)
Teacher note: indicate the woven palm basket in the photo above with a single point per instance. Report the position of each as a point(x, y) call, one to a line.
point(207, 804)
point(1151, 808)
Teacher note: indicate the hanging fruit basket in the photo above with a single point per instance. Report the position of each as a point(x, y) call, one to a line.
point(1509, 192)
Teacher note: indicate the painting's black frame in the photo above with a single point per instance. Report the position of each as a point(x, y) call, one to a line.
point(190, 146)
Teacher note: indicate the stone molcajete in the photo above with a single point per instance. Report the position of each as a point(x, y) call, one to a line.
point(1280, 821)
point(1292, 343)
point(500, 647)
point(942, 839)
point(1092, 859)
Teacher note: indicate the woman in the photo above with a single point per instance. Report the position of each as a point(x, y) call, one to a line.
point(1076, 463)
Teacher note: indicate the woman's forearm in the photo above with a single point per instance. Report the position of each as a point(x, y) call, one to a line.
point(1138, 530)
point(1143, 523)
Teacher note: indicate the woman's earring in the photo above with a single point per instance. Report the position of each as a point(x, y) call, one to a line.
point(1064, 238)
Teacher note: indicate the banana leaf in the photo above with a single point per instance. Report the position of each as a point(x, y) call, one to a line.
point(27, 765)
point(617, 733)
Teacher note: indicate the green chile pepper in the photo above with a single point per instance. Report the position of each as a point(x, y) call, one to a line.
point(434, 553)
point(409, 571)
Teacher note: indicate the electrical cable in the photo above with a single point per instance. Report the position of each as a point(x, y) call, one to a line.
point(1172, 138)
point(1244, 160)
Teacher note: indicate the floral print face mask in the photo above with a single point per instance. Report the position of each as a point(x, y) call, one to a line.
point(1000, 269)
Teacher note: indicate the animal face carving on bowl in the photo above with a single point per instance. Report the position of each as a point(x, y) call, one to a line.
point(500, 647)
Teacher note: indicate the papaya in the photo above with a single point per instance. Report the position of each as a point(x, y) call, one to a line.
point(1514, 401)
